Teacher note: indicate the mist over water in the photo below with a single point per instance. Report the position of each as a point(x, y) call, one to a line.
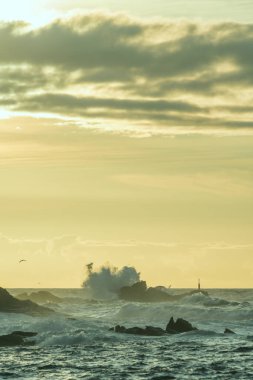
point(107, 281)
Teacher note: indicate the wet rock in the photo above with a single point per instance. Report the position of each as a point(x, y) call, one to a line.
point(147, 331)
point(10, 304)
point(17, 338)
point(119, 329)
point(228, 331)
point(139, 292)
point(172, 327)
point(154, 331)
point(180, 326)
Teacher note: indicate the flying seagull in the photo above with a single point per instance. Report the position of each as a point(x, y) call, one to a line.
point(20, 261)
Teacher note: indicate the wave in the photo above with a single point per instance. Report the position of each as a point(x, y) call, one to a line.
point(107, 281)
point(208, 301)
point(193, 308)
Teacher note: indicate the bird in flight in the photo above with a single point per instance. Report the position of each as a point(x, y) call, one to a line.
point(20, 261)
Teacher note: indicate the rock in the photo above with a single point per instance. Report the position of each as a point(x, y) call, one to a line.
point(136, 292)
point(42, 296)
point(17, 338)
point(148, 331)
point(180, 326)
point(157, 295)
point(135, 331)
point(139, 292)
point(119, 329)
point(154, 331)
point(228, 331)
point(172, 327)
point(10, 304)
point(171, 324)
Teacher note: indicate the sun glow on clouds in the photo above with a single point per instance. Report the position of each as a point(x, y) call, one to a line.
point(115, 127)
point(31, 11)
point(105, 69)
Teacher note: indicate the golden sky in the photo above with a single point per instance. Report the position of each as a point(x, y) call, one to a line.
point(126, 139)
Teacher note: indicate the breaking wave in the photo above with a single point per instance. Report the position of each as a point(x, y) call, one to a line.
point(107, 281)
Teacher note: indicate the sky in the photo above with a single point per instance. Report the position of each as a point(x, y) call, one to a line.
point(126, 138)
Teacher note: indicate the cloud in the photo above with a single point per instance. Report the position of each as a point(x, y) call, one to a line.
point(112, 67)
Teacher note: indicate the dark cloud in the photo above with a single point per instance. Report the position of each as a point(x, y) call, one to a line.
point(102, 42)
point(160, 71)
point(59, 103)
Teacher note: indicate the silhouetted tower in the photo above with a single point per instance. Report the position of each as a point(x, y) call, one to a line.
point(199, 284)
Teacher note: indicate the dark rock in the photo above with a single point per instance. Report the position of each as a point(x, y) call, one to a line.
point(228, 331)
point(119, 329)
point(17, 338)
point(139, 292)
point(171, 331)
point(180, 326)
point(135, 292)
point(157, 295)
point(135, 331)
point(10, 304)
point(154, 331)
point(148, 331)
point(171, 324)
point(172, 327)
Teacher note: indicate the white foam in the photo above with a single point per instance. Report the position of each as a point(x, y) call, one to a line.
point(106, 283)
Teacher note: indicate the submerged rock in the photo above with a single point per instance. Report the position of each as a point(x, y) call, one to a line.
point(17, 338)
point(228, 331)
point(10, 304)
point(41, 296)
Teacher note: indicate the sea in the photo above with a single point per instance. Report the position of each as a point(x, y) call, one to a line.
point(76, 342)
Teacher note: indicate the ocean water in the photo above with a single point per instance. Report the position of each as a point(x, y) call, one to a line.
point(77, 343)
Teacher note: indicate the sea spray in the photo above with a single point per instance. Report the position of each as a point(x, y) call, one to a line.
point(107, 281)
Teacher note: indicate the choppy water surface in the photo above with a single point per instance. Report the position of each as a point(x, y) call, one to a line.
point(83, 348)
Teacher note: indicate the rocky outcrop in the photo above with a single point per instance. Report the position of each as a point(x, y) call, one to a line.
point(180, 326)
point(17, 338)
point(228, 331)
point(139, 292)
point(41, 296)
point(147, 331)
point(10, 304)
point(45, 297)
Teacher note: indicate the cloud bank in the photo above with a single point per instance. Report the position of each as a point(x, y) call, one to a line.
point(111, 68)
